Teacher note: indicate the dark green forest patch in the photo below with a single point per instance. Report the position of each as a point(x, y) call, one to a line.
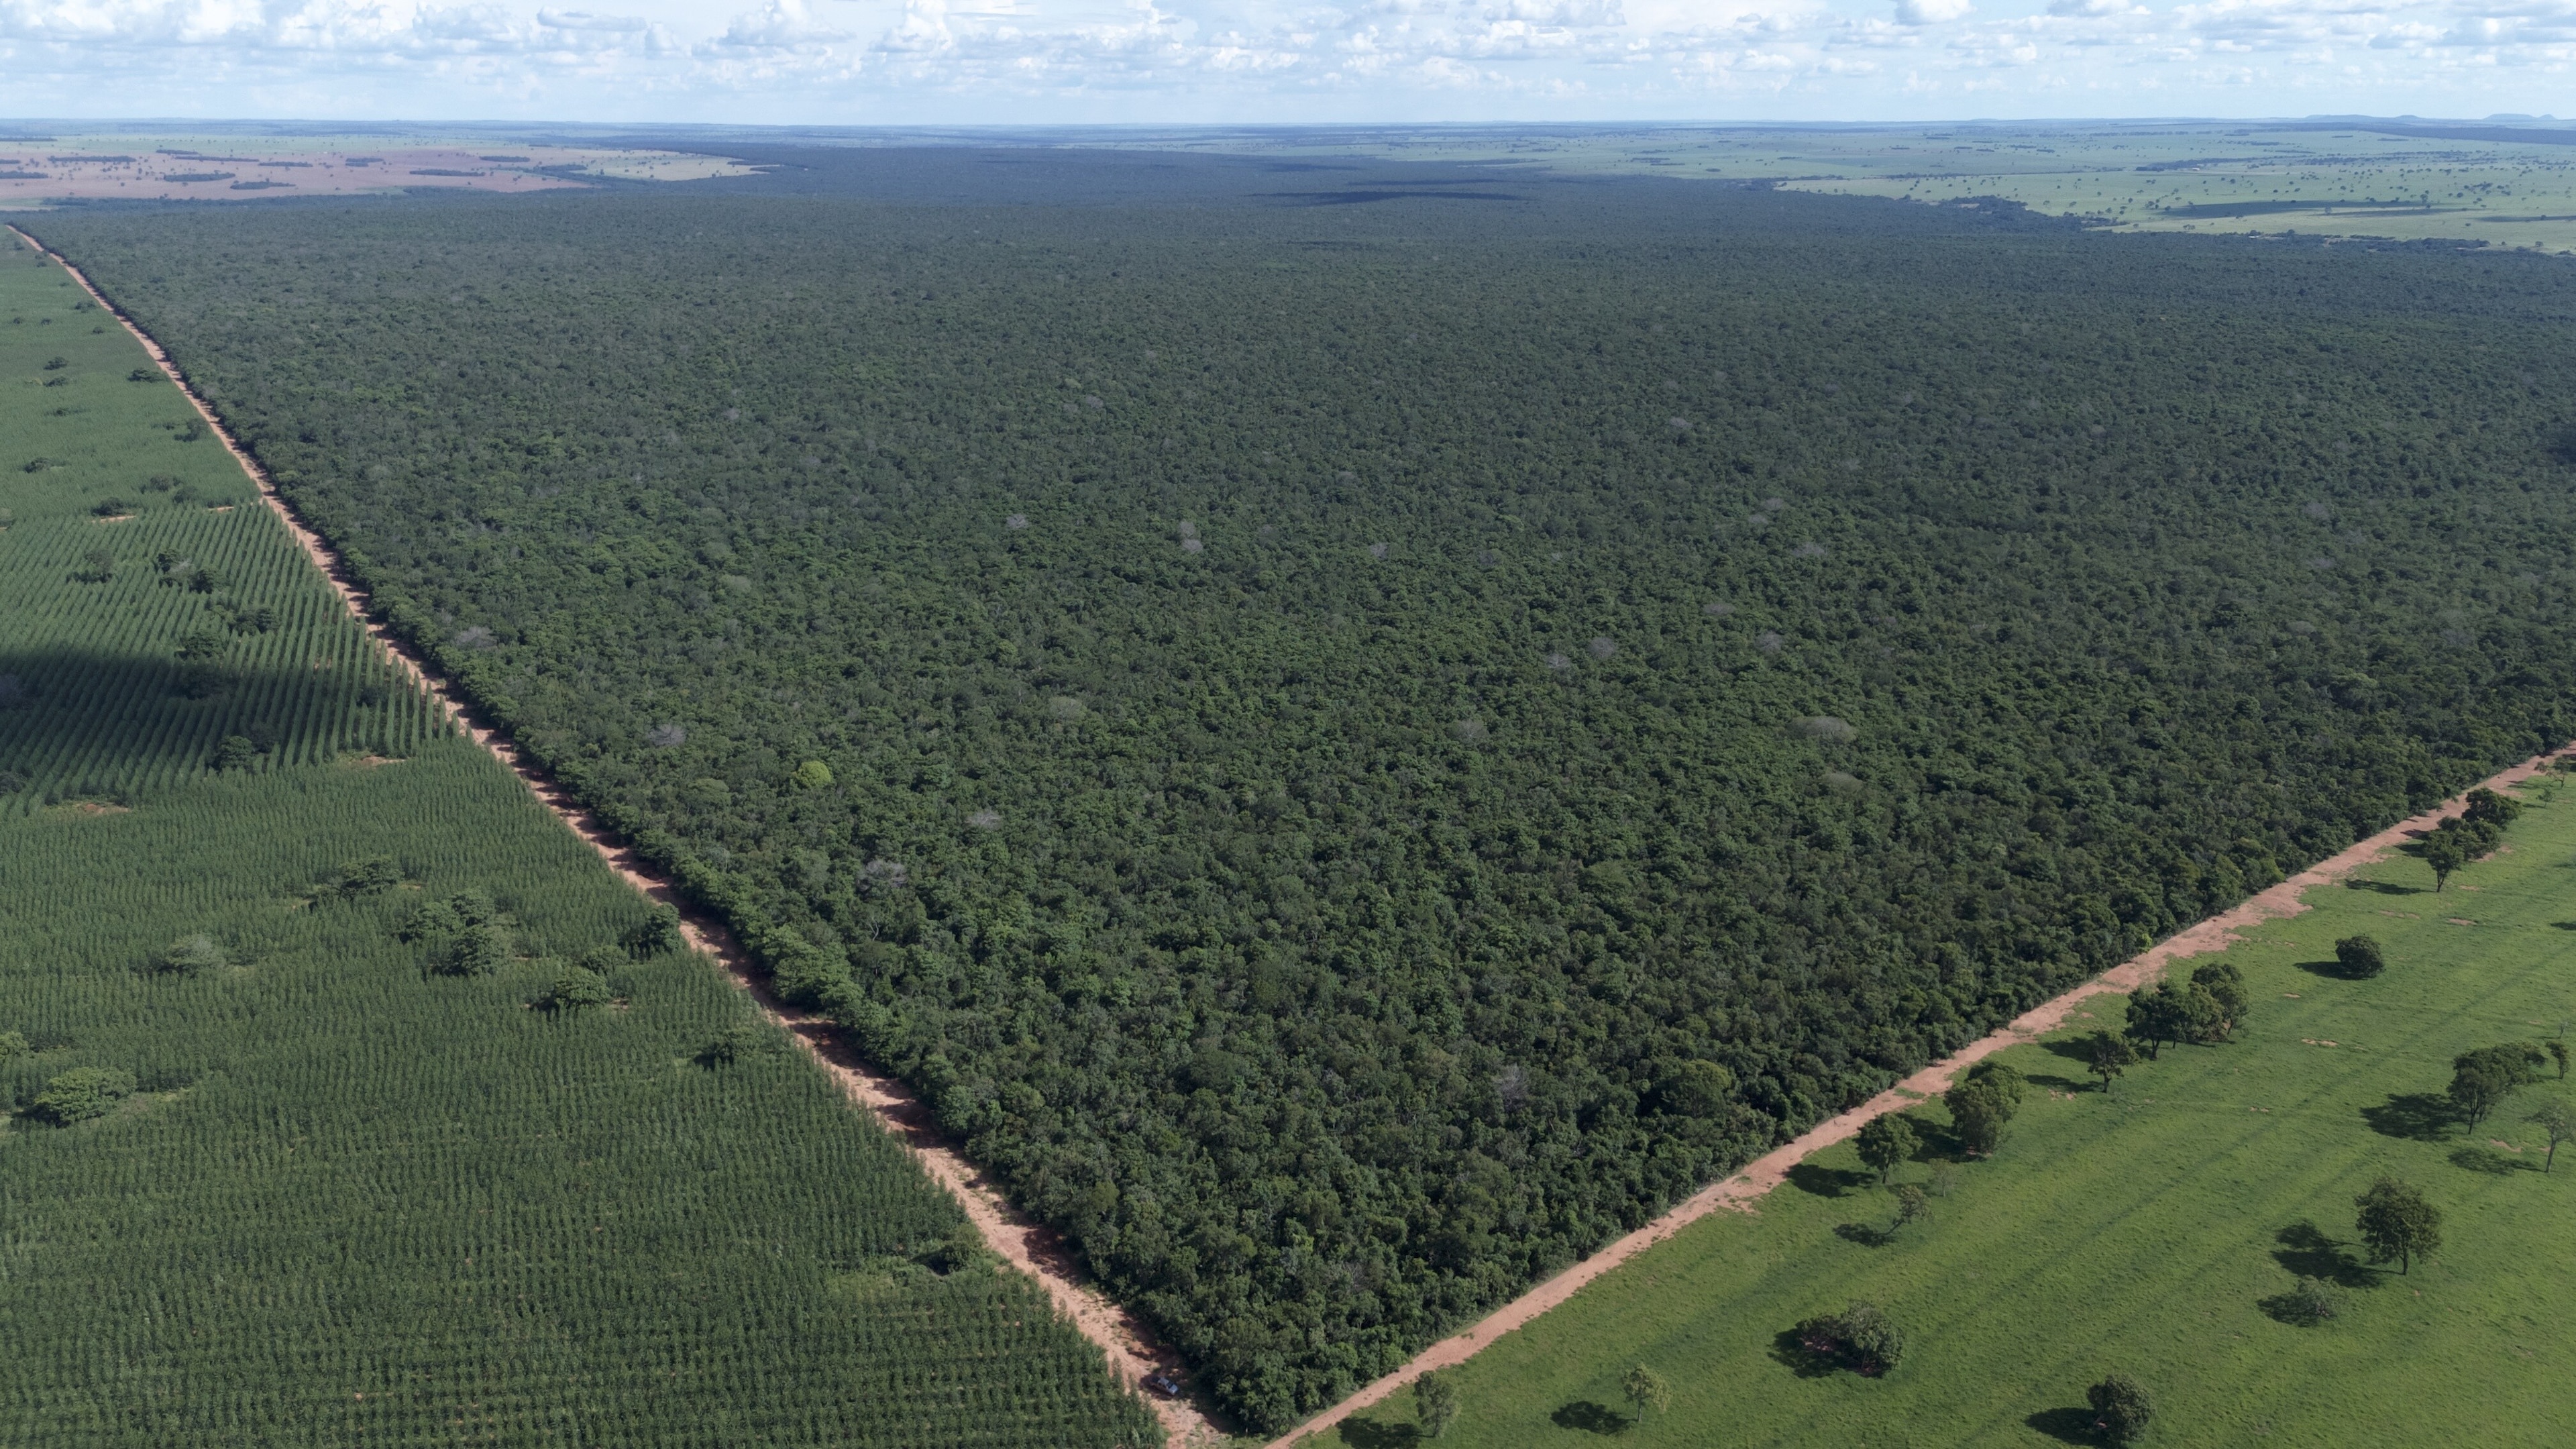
point(1328, 716)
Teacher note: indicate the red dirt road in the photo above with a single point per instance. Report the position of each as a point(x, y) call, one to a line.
point(1030, 1247)
point(1740, 1192)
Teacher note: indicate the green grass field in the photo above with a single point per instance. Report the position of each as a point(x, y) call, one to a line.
point(347, 1199)
point(2142, 1231)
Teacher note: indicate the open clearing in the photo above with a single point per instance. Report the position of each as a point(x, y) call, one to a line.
point(2143, 1230)
point(237, 166)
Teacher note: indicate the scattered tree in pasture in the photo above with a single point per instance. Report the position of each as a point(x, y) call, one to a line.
point(2163, 1013)
point(2309, 1303)
point(1861, 1338)
point(189, 955)
point(1435, 1404)
point(1886, 1142)
point(2488, 808)
point(1983, 1105)
point(2556, 1122)
point(2225, 987)
point(2558, 1053)
point(1913, 1205)
point(2445, 853)
point(1646, 1389)
point(2481, 1080)
point(2360, 956)
point(2107, 1055)
point(81, 1094)
point(2121, 1409)
point(2396, 1222)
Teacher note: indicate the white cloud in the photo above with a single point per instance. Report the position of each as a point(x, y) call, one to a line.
point(1077, 60)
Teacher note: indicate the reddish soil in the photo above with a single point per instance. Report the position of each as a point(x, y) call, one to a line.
point(1030, 1247)
point(1740, 1192)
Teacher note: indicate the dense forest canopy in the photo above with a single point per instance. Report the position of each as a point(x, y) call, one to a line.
point(1306, 729)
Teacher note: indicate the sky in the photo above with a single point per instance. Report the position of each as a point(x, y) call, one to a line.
point(948, 62)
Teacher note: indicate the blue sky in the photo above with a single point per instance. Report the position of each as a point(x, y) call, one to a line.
point(1178, 61)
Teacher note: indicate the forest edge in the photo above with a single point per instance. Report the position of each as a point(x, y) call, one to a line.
point(1032, 1248)
point(1038, 1251)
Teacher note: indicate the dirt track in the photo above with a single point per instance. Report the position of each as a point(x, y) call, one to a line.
point(1739, 1192)
point(1032, 1248)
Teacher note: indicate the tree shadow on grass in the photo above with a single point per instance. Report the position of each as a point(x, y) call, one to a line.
point(1826, 1181)
point(1591, 1418)
point(1864, 1234)
point(2385, 887)
point(2066, 1426)
point(2057, 1084)
point(2562, 925)
point(1370, 1434)
point(2414, 1116)
point(2478, 1157)
point(2308, 1253)
point(2332, 970)
point(2075, 1049)
point(1792, 1353)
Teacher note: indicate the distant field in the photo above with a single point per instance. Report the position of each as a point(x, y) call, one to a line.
point(238, 165)
point(2450, 183)
point(337, 1197)
point(2143, 1230)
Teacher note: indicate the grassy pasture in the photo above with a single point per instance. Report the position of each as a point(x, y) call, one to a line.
point(2143, 1230)
point(350, 1200)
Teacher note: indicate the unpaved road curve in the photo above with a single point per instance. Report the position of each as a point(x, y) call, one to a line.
point(1032, 1248)
point(1739, 1192)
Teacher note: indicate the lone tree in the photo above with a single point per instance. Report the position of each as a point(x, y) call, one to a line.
point(2396, 1222)
point(2482, 1079)
point(2360, 956)
point(1913, 1205)
point(2554, 1119)
point(2225, 987)
point(1646, 1389)
point(1983, 1105)
point(2121, 1409)
point(2171, 1012)
point(1435, 1404)
point(1887, 1143)
point(1861, 1338)
point(2108, 1055)
point(2445, 852)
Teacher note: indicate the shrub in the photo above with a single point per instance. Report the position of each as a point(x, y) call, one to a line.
point(2360, 956)
point(2310, 1302)
point(1861, 1338)
point(189, 955)
point(81, 1094)
point(2121, 1409)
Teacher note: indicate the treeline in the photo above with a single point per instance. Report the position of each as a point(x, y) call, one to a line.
point(1355, 753)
